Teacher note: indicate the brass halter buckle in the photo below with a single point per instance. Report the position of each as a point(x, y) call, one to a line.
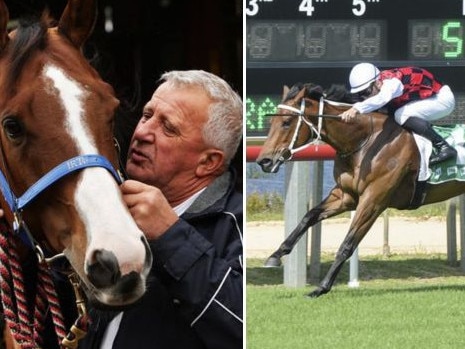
point(76, 332)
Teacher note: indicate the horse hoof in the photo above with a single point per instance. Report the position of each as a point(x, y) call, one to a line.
point(314, 294)
point(317, 293)
point(272, 262)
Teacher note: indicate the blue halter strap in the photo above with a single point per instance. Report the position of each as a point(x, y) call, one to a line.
point(17, 204)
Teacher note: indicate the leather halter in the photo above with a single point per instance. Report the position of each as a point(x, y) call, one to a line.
point(17, 204)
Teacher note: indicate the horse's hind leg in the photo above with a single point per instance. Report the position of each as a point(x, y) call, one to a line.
point(361, 224)
point(335, 203)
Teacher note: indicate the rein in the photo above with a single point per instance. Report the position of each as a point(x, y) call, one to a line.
point(26, 327)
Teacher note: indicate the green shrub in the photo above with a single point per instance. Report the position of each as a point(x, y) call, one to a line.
point(255, 203)
point(268, 206)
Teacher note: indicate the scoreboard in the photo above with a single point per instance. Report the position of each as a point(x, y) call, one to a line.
point(319, 41)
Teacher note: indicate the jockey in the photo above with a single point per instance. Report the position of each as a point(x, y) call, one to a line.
point(412, 94)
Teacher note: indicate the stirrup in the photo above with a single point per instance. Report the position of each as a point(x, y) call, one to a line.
point(443, 155)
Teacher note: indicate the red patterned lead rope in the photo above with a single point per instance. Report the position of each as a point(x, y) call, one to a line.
point(26, 329)
point(39, 311)
point(15, 309)
point(53, 301)
point(24, 315)
point(9, 309)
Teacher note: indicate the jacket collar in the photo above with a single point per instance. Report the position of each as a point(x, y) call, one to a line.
point(213, 198)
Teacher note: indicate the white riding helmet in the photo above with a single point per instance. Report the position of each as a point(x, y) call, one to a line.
point(361, 76)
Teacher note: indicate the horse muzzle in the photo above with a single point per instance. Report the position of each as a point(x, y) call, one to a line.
point(272, 164)
point(114, 282)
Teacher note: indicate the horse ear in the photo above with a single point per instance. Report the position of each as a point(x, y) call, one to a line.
point(285, 91)
point(302, 94)
point(4, 16)
point(78, 20)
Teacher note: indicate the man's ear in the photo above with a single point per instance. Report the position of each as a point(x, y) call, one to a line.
point(211, 162)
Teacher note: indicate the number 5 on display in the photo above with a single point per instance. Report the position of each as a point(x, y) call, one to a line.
point(454, 49)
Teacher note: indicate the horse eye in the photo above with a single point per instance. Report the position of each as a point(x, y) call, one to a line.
point(13, 127)
point(287, 123)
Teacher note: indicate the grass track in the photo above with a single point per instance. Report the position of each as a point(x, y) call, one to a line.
point(409, 301)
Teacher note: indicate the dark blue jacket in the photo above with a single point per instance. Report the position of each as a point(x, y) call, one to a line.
point(194, 292)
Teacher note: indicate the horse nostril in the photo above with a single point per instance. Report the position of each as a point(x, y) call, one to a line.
point(129, 282)
point(104, 270)
point(265, 162)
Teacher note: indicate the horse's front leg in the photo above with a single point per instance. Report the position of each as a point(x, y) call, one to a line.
point(335, 203)
point(363, 220)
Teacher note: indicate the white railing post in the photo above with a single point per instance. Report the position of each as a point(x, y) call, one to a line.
point(295, 206)
point(353, 270)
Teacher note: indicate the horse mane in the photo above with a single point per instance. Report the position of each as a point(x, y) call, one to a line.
point(311, 90)
point(29, 37)
point(336, 93)
point(339, 93)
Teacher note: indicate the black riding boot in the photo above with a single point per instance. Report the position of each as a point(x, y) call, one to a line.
point(443, 151)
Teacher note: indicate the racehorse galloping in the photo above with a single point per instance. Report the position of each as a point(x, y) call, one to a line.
point(57, 155)
point(376, 167)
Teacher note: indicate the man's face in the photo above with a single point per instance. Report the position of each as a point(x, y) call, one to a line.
point(376, 87)
point(167, 143)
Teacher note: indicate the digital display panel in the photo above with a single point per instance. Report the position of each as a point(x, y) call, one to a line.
point(321, 32)
point(336, 40)
point(354, 40)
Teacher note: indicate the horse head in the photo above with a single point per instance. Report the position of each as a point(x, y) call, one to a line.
point(290, 128)
point(54, 107)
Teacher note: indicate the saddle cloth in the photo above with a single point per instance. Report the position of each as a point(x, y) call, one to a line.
point(453, 169)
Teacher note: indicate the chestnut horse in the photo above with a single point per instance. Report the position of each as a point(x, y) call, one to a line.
point(60, 189)
point(376, 166)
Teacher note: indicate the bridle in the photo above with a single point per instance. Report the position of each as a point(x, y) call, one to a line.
point(315, 131)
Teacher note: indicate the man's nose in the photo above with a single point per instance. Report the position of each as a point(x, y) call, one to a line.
point(143, 134)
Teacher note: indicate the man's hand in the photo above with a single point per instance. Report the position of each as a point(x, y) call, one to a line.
point(149, 208)
point(349, 114)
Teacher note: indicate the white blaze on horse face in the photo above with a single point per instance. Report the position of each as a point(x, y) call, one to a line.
point(108, 224)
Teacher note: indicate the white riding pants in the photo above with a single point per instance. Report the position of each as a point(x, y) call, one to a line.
point(430, 109)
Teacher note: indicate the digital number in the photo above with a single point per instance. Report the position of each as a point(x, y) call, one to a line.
point(369, 40)
point(259, 41)
point(315, 41)
point(452, 33)
point(422, 39)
